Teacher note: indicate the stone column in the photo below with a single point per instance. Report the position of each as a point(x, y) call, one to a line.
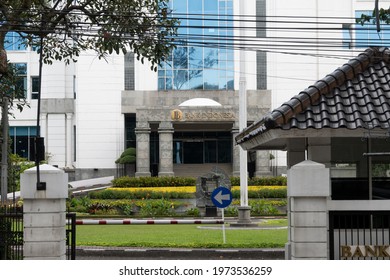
point(142, 132)
point(44, 215)
point(236, 154)
point(308, 192)
point(165, 131)
point(262, 164)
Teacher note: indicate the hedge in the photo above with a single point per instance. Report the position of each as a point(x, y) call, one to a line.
point(183, 192)
point(147, 182)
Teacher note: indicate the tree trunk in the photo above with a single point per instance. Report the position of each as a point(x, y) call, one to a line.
point(3, 55)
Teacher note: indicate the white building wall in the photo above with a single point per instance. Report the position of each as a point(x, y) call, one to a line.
point(98, 119)
point(56, 139)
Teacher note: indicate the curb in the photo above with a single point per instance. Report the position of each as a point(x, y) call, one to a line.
point(95, 253)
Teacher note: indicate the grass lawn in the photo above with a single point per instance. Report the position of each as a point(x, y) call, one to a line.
point(186, 236)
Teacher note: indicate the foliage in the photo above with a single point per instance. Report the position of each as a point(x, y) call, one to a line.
point(143, 208)
point(11, 86)
point(193, 212)
point(383, 15)
point(262, 181)
point(17, 167)
point(127, 157)
point(144, 193)
point(147, 182)
point(66, 28)
point(157, 208)
point(262, 192)
point(262, 208)
point(259, 207)
point(183, 192)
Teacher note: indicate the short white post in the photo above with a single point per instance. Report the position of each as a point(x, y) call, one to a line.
point(44, 213)
point(308, 191)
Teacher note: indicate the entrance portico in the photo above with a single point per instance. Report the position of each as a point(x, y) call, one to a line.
point(173, 140)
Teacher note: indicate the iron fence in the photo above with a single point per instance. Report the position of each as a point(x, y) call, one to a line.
point(71, 236)
point(359, 235)
point(11, 234)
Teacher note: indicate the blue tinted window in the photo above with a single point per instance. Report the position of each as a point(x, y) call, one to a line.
point(198, 63)
point(367, 35)
point(20, 139)
point(13, 42)
point(21, 83)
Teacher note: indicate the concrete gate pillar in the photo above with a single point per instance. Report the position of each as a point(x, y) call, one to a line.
point(308, 191)
point(44, 213)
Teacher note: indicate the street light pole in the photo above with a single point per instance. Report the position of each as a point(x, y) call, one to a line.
point(243, 209)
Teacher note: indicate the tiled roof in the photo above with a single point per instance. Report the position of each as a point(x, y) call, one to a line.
point(353, 96)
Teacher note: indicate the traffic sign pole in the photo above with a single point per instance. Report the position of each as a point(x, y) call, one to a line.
point(221, 198)
point(223, 226)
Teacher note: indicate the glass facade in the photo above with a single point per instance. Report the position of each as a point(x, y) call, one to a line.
point(210, 147)
point(20, 139)
point(202, 61)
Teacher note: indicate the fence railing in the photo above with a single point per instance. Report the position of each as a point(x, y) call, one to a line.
point(11, 234)
point(359, 235)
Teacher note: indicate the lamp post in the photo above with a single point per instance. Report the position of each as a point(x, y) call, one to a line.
point(244, 208)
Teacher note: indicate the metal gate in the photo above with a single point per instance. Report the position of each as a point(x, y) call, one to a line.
point(359, 235)
point(11, 234)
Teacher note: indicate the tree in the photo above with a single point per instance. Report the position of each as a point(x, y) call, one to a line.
point(67, 27)
point(377, 16)
point(62, 29)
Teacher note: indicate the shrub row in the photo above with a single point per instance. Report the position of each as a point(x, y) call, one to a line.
point(140, 193)
point(147, 182)
point(143, 208)
point(161, 207)
point(183, 192)
point(261, 181)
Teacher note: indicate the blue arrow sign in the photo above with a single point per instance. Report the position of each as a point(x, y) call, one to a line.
point(221, 197)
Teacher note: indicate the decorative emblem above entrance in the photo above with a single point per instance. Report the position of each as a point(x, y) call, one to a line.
point(176, 115)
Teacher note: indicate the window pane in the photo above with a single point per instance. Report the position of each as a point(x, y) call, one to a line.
point(181, 80)
point(210, 151)
point(180, 59)
point(193, 152)
point(34, 87)
point(211, 79)
point(224, 151)
point(196, 80)
point(178, 152)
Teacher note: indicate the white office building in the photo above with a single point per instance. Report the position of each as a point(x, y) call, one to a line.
point(92, 110)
